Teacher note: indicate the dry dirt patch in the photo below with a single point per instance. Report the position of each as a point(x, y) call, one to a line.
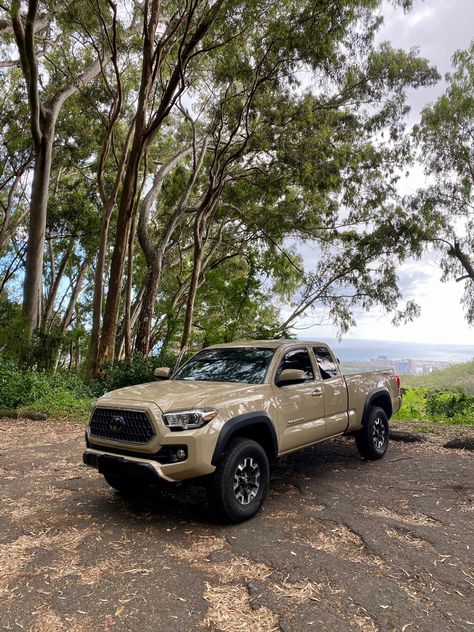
point(325, 551)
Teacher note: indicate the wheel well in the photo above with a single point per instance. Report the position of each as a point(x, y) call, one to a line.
point(260, 433)
point(383, 401)
point(256, 426)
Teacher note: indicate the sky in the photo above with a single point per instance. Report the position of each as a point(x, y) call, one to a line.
point(437, 28)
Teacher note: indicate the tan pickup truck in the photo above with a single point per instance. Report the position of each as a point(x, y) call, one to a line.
point(229, 411)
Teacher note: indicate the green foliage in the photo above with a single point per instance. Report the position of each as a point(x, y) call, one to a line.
point(455, 405)
point(17, 389)
point(60, 403)
point(134, 370)
point(413, 405)
point(61, 394)
point(13, 330)
point(451, 407)
point(304, 113)
point(445, 137)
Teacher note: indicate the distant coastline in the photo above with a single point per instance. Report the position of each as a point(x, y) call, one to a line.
point(353, 350)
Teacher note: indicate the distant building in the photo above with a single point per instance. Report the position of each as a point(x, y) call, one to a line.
point(405, 366)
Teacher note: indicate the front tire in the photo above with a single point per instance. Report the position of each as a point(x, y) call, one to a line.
point(372, 439)
point(239, 485)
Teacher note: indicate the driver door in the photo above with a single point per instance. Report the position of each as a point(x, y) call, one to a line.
point(301, 405)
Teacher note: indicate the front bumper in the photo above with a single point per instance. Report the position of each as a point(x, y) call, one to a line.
point(154, 456)
point(129, 467)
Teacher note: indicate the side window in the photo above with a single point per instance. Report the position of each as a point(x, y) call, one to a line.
point(297, 359)
point(325, 362)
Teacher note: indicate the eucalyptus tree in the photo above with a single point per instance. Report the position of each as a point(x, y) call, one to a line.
point(256, 116)
point(174, 35)
point(52, 73)
point(214, 135)
point(351, 215)
point(445, 137)
point(315, 168)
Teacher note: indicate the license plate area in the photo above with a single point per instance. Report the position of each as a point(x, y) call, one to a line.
point(111, 465)
point(117, 466)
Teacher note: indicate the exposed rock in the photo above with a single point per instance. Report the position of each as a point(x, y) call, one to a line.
point(461, 443)
point(407, 437)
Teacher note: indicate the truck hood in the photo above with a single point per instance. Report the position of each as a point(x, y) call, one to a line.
point(178, 394)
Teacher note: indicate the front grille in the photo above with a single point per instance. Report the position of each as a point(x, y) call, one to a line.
point(121, 425)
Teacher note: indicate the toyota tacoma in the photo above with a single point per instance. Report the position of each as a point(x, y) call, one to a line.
point(229, 411)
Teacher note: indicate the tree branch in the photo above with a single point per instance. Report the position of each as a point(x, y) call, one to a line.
point(67, 91)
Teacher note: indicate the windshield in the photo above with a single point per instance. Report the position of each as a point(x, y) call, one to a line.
point(247, 365)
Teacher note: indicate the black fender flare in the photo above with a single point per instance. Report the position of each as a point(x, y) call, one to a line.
point(237, 424)
point(375, 394)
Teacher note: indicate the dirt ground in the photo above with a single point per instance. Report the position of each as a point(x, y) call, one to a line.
point(341, 544)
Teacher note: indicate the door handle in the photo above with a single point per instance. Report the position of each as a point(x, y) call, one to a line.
point(317, 392)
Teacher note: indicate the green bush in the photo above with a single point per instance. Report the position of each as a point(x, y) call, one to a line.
point(413, 405)
point(60, 403)
point(18, 388)
point(454, 407)
point(449, 404)
point(65, 394)
point(70, 382)
point(61, 394)
point(135, 370)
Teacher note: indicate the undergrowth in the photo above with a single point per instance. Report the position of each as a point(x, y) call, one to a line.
point(448, 407)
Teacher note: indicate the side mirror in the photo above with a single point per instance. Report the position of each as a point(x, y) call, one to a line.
point(291, 376)
point(162, 373)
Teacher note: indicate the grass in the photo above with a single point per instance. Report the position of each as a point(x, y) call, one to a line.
point(455, 377)
point(441, 407)
point(60, 404)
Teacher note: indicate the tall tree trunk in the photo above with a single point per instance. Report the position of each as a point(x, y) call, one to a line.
point(194, 284)
point(152, 284)
point(134, 315)
point(154, 255)
point(5, 230)
point(128, 295)
point(43, 119)
point(106, 349)
point(53, 292)
point(68, 314)
point(145, 132)
point(97, 301)
point(37, 230)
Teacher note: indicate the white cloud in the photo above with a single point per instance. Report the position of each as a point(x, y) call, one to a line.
point(441, 320)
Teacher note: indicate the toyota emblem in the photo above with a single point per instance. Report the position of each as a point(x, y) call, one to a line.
point(116, 424)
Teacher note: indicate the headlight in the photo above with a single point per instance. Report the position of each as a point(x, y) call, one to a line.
point(189, 419)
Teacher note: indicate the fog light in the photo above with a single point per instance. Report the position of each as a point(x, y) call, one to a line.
point(181, 454)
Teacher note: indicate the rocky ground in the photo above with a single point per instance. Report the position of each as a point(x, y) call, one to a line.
point(341, 544)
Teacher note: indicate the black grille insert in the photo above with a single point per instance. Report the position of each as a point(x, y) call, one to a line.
point(131, 426)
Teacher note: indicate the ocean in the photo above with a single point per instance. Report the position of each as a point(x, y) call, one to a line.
point(365, 350)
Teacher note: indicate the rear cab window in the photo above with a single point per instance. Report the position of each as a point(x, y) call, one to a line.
point(326, 363)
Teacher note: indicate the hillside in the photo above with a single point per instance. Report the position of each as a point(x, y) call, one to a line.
point(458, 376)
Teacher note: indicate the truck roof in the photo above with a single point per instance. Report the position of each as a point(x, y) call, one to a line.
point(268, 344)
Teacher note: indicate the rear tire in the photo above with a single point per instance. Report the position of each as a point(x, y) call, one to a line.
point(372, 439)
point(239, 485)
